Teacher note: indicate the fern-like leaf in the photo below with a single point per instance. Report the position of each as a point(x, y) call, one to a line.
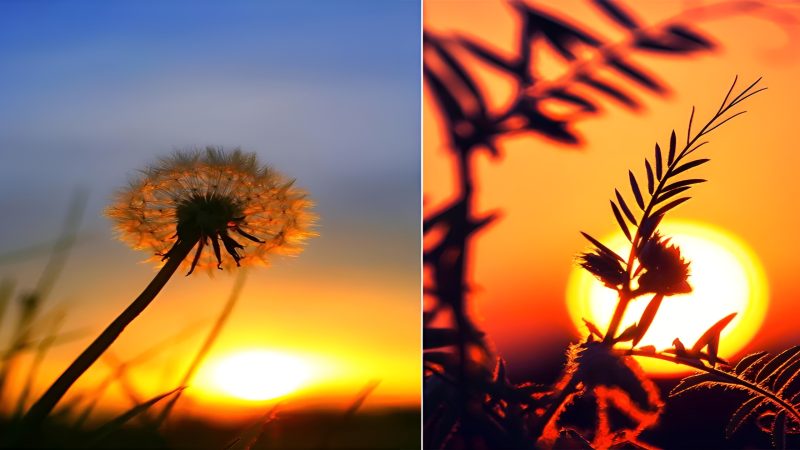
point(742, 413)
point(664, 187)
point(766, 379)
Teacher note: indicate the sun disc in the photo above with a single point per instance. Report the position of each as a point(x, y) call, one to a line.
point(259, 375)
point(725, 275)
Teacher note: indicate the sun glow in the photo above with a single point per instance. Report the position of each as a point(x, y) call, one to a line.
point(725, 275)
point(259, 375)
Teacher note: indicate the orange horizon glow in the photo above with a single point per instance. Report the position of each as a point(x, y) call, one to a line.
point(278, 311)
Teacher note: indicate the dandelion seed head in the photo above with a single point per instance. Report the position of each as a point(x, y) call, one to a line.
point(225, 200)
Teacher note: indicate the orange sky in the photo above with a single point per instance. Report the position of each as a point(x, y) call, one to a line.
point(95, 91)
point(547, 193)
point(349, 332)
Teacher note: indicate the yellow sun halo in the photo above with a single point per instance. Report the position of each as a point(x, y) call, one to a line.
point(725, 275)
point(259, 375)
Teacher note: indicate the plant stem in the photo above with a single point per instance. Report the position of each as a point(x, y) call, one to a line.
point(552, 409)
point(42, 408)
point(624, 298)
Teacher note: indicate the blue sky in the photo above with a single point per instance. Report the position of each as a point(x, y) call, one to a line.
point(328, 92)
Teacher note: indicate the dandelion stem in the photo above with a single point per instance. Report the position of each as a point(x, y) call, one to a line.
point(42, 408)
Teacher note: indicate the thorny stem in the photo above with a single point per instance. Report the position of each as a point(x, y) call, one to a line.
point(554, 407)
point(39, 411)
point(721, 374)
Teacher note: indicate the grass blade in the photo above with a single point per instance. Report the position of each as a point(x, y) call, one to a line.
point(241, 277)
point(250, 436)
point(351, 410)
point(115, 424)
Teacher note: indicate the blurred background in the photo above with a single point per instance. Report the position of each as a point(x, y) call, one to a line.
point(327, 93)
point(546, 192)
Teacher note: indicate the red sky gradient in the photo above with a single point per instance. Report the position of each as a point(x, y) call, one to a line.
point(547, 193)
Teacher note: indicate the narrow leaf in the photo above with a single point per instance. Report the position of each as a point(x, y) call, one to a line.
point(636, 74)
point(622, 225)
point(602, 247)
point(627, 335)
point(659, 163)
point(691, 36)
point(625, 208)
point(647, 317)
point(673, 142)
point(120, 420)
point(574, 99)
point(669, 194)
point(615, 12)
point(772, 367)
point(650, 349)
point(713, 349)
point(459, 71)
point(683, 183)
point(712, 332)
point(670, 205)
point(693, 382)
point(609, 89)
point(648, 226)
point(749, 373)
point(251, 435)
point(445, 98)
point(684, 167)
point(680, 349)
point(779, 430)
point(742, 413)
point(658, 44)
point(748, 361)
point(487, 55)
point(593, 328)
point(650, 180)
point(636, 192)
point(786, 375)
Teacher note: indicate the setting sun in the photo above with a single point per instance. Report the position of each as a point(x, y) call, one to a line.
point(259, 375)
point(725, 275)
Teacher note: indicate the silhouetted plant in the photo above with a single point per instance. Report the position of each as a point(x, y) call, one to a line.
point(651, 267)
point(192, 199)
point(771, 381)
point(469, 401)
